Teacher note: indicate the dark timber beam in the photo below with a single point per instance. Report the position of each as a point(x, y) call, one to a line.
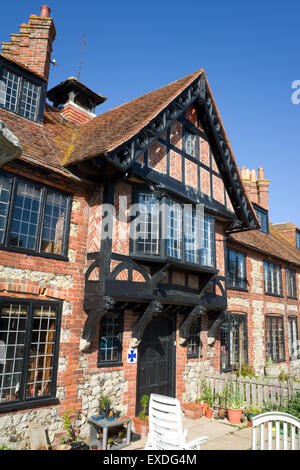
point(213, 330)
point(184, 329)
point(92, 320)
point(152, 309)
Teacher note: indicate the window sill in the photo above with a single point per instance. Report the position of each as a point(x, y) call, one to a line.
point(15, 406)
point(109, 365)
point(174, 263)
point(291, 298)
point(274, 295)
point(240, 289)
point(33, 253)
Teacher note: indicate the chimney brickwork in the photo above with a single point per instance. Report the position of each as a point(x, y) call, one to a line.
point(32, 46)
point(257, 187)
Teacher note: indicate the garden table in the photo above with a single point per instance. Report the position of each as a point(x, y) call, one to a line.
point(105, 424)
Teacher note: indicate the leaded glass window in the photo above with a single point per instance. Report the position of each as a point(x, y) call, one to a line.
point(290, 279)
point(234, 348)
point(298, 239)
point(293, 342)
point(191, 235)
point(272, 278)
point(236, 269)
point(33, 217)
point(28, 350)
point(263, 218)
point(174, 230)
point(19, 95)
point(208, 240)
point(194, 342)
point(275, 338)
point(110, 341)
point(147, 241)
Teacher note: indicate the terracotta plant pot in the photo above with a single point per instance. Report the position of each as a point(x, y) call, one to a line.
point(141, 427)
point(209, 413)
point(192, 410)
point(234, 416)
point(222, 413)
point(204, 406)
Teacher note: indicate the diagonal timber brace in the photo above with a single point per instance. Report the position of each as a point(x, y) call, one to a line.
point(153, 308)
point(93, 318)
point(184, 329)
point(213, 330)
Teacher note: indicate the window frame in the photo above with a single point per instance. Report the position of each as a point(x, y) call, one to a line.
point(119, 362)
point(264, 213)
point(276, 318)
point(51, 398)
point(45, 189)
point(163, 255)
point(30, 77)
point(293, 283)
point(298, 239)
point(229, 284)
point(230, 317)
point(199, 354)
point(269, 264)
point(290, 319)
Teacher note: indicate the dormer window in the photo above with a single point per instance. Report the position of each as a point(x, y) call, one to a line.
point(263, 218)
point(21, 92)
point(298, 239)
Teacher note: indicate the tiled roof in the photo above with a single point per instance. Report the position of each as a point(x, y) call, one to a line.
point(115, 127)
point(284, 226)
point(272, 244)
point(43, 144)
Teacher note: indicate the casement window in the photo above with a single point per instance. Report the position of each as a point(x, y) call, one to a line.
point(190, 143)
point(194, 342)
point(170, 229)
point(236, 269)
point(110, 340)
point(272, 279)
point(234, 346)
point(33, 218)
point(148, 239)
point(290, 279)
point(298, 239)
point(29, 341)
point(294, 349)
point(274, 338)
point(263, 218)
point(174, 230)
point(20, 94)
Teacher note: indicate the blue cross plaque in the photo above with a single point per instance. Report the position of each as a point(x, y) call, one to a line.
point(131, 356)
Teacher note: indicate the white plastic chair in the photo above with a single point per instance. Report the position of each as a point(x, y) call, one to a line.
point(280, 421)
point(165, 426)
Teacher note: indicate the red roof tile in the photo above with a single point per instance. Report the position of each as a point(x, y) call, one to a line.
point(115, 127)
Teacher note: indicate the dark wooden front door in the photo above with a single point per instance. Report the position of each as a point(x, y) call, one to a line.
point(156, 359)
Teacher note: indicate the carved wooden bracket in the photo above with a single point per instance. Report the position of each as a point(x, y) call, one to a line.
point(93, 318)
point(213, 330)
point(184, 329)
point(153, 307)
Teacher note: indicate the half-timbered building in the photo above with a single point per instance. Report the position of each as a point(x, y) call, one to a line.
point(114, 231)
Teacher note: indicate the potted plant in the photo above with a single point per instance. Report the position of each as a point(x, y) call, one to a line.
point(271, 369)
point(104, 406)
point(193, 410)
point(222, 404)
point(253, 411)
point(235, 405)
point(141, 421)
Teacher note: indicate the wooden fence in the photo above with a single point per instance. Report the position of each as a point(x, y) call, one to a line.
point(257, 391)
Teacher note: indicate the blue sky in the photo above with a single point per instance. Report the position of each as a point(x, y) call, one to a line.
point(249, 50)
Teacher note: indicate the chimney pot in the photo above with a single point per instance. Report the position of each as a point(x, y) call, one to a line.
point(253, 176)
point(261, 174)
point(45, 11)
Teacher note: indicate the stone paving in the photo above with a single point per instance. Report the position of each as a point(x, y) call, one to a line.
point(221, 435)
